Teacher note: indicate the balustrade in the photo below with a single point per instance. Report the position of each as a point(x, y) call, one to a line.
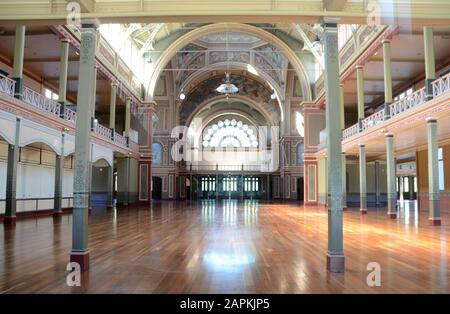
point(7, 85)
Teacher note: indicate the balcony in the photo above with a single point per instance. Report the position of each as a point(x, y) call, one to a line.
point(400, 107)
point(53, 108)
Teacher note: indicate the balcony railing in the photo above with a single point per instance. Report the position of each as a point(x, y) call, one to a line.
point(408, 102)
point(351, 131)
point(419, 97)
point(40, 101)
point(70, 115)
point(45, 104)
point(119, 139)
point(7, 85)
point(103, 131)
point(372, 120)
point(441, 85)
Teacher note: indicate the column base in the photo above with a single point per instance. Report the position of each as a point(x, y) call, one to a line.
point(82, 258)
point(344, 209)
point(363, 211)
point(8, 220)
point(392, 215)
point(335, 263)
point(434, 221)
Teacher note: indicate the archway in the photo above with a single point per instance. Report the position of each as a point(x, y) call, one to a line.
point(200, 32)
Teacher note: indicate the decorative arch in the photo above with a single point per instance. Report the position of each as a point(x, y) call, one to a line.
point(99, 152)
point(6, 137)
point(193, 35)
point(101, 162)
point(195, 130)
point(52, 146)
point(251, 103)
point(233, 66)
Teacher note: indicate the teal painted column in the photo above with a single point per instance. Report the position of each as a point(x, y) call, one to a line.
point(344, 182)
point(110, 200)
point(11, 178)
point(430, 67)
point(362, 179)
point(63, 65)
point(59, 172)
point(112, 109)
point(335, 254)
point(86, 79)
point(390, 174)
point(126, 180)
point(387, 69)
point(360, 93)
point(434, 217)
point(19, 49)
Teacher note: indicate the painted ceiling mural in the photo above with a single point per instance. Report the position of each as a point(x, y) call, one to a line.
point(248, 87)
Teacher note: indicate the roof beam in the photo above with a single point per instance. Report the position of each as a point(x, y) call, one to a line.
point(308, 43)
point(431, 12)
point(334, 5)
point(49, 59)
point(148, 45)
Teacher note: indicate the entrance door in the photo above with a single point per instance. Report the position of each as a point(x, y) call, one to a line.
point(157, 188)
point(300, 189)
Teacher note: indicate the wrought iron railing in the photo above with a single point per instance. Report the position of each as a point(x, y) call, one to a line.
point(441, 85)
point(351, 131)
point(7, 85)
point(408, 102)
point(70, 115)
point(40, 101)
point(103, 131)
point(372, 120)
point(119, 139)
point(45, 104)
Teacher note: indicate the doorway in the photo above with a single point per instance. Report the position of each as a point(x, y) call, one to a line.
point(156, 188)
point(300, 189)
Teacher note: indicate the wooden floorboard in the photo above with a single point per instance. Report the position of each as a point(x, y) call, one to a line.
point(227, 247)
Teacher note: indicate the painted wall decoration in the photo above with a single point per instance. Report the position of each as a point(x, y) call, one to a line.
point(247, 87)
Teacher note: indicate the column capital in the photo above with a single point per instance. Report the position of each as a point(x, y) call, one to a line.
point(386, 41)
point(431, 120)
point(389, 135)
point(359, 66)
point(362, 145)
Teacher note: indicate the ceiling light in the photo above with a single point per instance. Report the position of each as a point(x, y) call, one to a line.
point(227, 87)
point(182, 96)
point(273, 96)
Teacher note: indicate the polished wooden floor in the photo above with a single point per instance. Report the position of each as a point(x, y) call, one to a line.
point(227, 247)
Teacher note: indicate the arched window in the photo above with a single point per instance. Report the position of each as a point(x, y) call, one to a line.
point(157, 153)
point(300, 154)
point(229, 133)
